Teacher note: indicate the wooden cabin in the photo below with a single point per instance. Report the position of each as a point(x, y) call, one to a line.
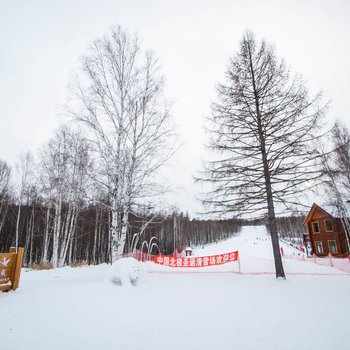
point(326, 233)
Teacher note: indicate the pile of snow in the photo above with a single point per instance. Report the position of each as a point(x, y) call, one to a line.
point(125, 272)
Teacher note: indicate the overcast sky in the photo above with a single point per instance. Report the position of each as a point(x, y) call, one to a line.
point(41, 42)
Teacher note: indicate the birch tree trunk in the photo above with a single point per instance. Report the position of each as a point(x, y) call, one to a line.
point(70, 228)
point(17, 224)
point(46, 234)
point(32, 226)
point(5, 172)
point(56, 233)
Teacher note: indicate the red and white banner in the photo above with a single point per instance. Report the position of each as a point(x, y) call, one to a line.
point(201, 261)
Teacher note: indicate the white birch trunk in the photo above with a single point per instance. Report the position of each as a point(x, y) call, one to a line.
point(124, 231)
point(56, 234)
point(70, 254)
point(27, 242)
point(17, 225)
point(114, 230)
point(64, 239)
point(31, 237)
point(67, 243)
point(94, 252)
point(46, 235)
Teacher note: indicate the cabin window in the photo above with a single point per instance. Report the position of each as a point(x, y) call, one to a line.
point(319, 247)
point(315, 227)
point(329, 225)
point(332, 246)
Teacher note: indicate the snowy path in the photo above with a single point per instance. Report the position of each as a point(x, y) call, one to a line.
point(256, 256)
point(76, 309)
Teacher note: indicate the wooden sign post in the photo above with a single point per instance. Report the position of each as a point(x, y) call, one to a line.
point(10, 269)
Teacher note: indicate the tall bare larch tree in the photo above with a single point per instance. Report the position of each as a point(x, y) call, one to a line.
point(262, 130)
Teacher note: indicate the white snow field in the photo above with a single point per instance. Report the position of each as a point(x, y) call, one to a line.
point(80, 309)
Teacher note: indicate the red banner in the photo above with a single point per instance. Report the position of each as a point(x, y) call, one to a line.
point(200, 261)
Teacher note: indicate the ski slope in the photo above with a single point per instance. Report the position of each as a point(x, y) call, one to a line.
point(77, 308)
point(256, 256)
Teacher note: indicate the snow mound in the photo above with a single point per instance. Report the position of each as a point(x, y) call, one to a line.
point(125, 272)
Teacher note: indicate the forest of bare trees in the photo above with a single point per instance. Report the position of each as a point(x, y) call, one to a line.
point(85, 235)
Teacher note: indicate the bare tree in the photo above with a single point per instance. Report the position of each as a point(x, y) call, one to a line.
point(24, 168)
point(118, 97)
point(336, 165)
point(341, 141)
point(64, 176)
point(262, 129)
point(5, 172)
point(78, 163)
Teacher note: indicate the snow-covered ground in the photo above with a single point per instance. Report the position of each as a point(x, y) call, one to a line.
point(79, 308)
